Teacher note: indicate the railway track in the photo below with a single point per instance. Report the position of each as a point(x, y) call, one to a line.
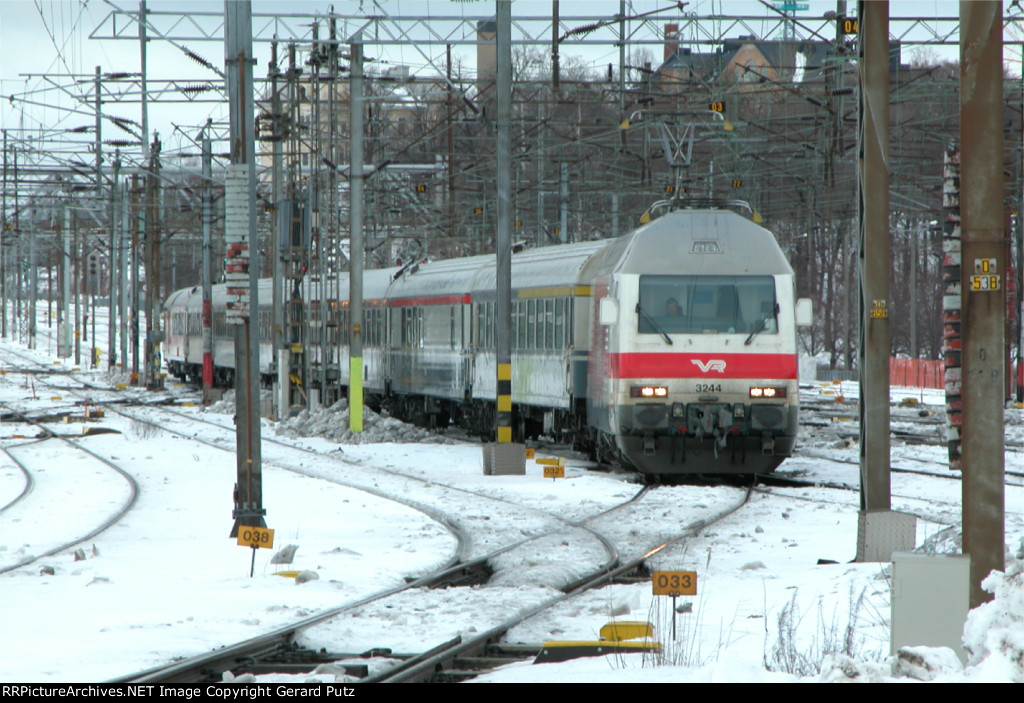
point(28, 519)
point(470, 643)
point(276, 646)
point(466, 569)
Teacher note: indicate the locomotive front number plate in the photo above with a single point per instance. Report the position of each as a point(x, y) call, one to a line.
point(674, 583)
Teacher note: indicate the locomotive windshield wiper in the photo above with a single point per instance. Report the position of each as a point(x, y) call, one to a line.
point(761, 326)
point(654, 324)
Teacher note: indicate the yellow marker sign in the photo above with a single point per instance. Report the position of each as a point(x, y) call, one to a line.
point(530, 452)
point(255, 537)
point(879, 311)
point(554, 471)
point(985, 278)
point(674, 583)
point(553, 468)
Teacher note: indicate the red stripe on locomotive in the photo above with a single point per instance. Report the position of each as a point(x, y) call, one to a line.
point(708, 366)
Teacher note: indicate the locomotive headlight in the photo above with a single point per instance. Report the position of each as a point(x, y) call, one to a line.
point(767, 392)
point(648, 392)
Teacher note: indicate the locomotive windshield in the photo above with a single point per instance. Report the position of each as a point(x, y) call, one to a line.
point(707, 305)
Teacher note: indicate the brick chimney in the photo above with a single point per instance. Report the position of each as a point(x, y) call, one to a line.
point(486, 51)
point(671, 39)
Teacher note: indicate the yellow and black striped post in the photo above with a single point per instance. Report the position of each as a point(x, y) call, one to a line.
point(504, 423)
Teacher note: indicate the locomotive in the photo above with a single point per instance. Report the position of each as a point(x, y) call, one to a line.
point(672, 349)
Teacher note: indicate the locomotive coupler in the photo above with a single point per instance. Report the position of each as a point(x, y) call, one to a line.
point(650, 444)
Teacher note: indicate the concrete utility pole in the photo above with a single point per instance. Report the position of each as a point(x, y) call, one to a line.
point(243, 265)
point(280, 227)
point(5, 228)
point(137, 215)
point(142, 224)
point(983, 278)
point(33, 292)
point(355, 296)
point(874, 256)
point(64, 323)
point(154, 337)
point(124, 257)
point(207, 314)
point(76, 262)
point(504, 457)
point(115, 265)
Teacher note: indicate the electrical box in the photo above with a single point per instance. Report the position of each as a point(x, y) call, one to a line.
point(930, 601)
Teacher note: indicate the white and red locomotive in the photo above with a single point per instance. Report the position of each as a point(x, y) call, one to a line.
point(673, 348)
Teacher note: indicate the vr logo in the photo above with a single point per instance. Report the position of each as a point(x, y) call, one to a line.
point(712, 365)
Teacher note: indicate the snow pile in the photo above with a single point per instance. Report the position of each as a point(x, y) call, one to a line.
point(994, 633)
point(226, 405)
point(333, 423)
point(993, 638)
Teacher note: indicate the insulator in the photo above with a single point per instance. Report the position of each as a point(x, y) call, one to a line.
point(120, 142)
point(117, 76)
point(126, 120)
point(123, 124)
point(198, 59)
point(196, 88)
point(584, 30)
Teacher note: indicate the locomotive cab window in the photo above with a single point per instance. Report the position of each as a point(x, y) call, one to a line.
point(707, 305)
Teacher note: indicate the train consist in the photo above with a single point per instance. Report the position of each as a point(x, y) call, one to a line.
point(671, 349)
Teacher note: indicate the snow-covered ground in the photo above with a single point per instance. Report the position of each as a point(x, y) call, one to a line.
point(777, 585)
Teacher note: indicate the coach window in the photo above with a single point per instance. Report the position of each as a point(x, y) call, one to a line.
point(549, 317)
point(531, 324)
point(490, 323)
point(520, 326)
point(559, 323)
point(474, 326)
point(451, 327)
point(542, 324)
point(407, 327)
